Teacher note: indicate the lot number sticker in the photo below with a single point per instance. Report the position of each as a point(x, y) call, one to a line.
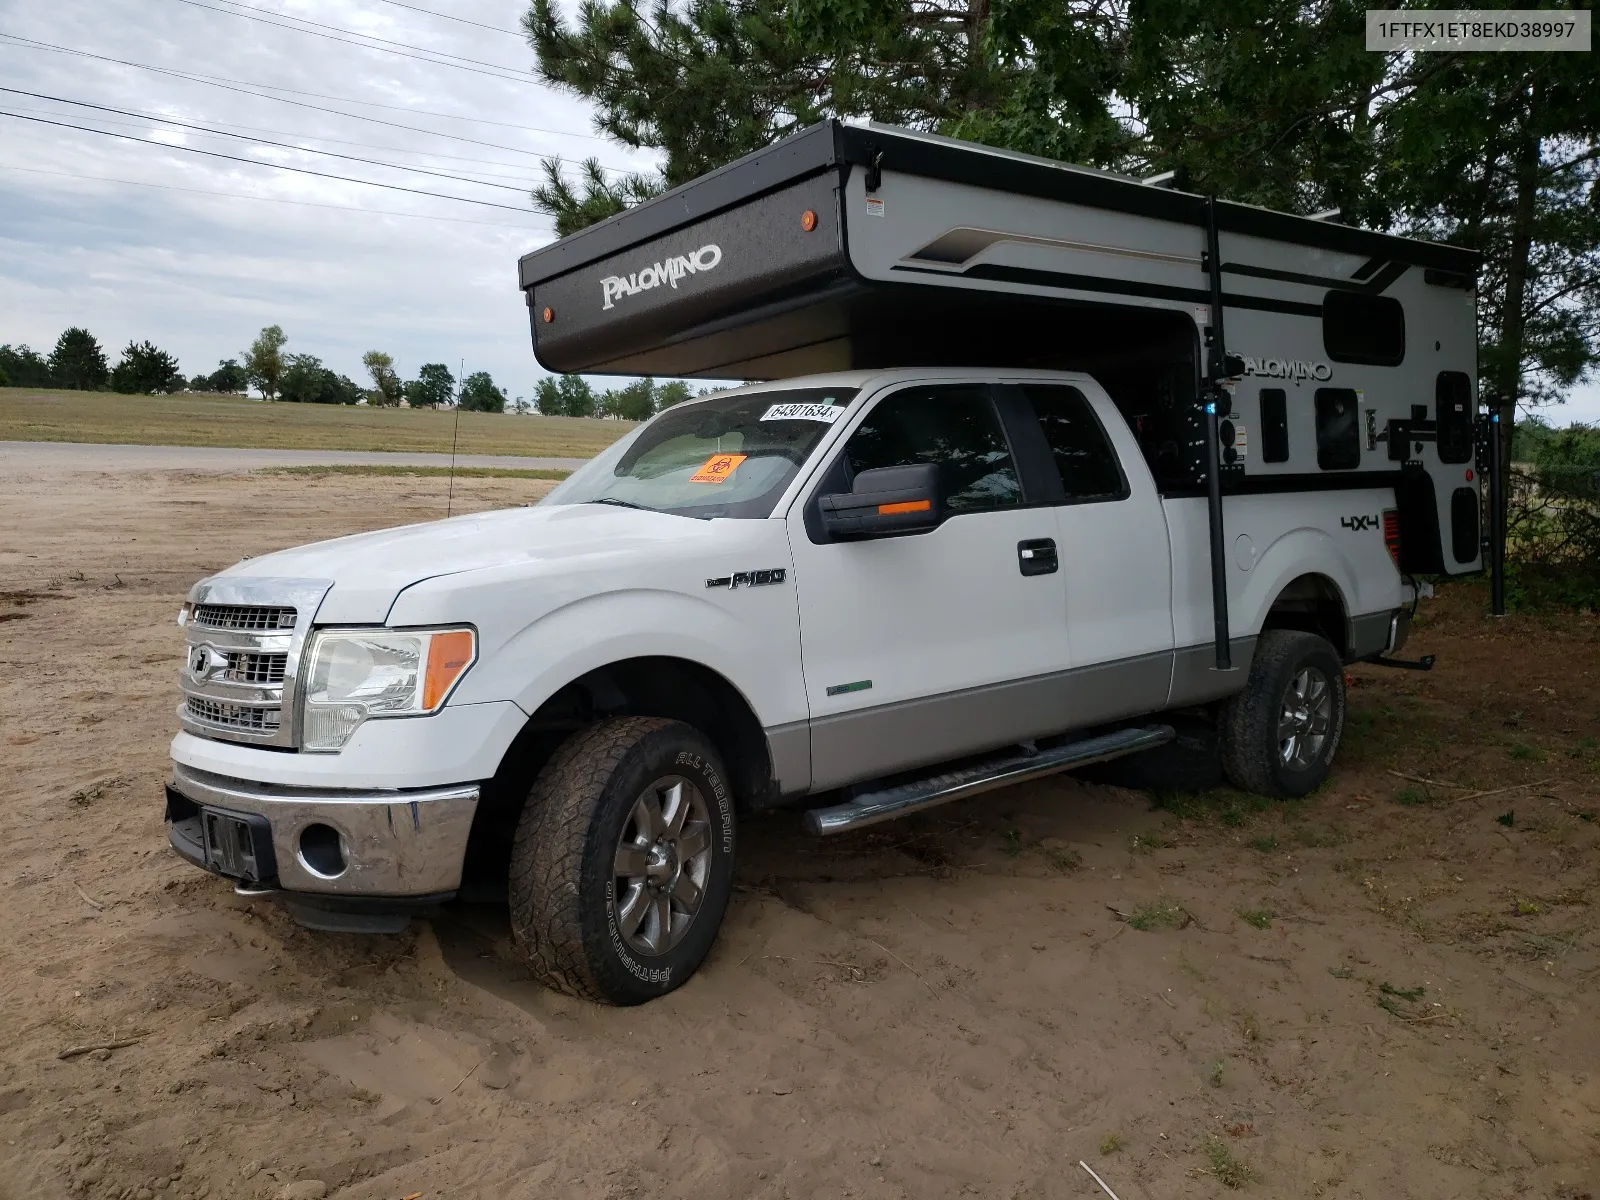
point(826, 413)
point(719, 468)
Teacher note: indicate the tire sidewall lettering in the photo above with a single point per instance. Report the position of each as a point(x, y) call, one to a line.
point(654, 975)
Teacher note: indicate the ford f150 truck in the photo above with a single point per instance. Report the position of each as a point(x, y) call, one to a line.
point(859, 592)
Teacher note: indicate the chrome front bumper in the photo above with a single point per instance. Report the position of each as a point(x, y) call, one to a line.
point(392, 843)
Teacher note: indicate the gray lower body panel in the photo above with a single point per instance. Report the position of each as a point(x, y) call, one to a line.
point(1369, 634)
point(872, 742)
point(1196, 680)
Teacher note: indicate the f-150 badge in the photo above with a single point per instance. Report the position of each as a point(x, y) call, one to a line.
point(749, 578)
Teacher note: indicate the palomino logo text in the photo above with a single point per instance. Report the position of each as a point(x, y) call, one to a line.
point(668, 271)
point(1287, 368)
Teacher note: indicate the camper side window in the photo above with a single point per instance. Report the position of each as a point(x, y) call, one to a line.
point(1338, 429)
point(1358, 327)
point(955, 427)
point(1084, 459)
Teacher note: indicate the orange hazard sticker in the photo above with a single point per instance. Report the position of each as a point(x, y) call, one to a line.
point(718, 468)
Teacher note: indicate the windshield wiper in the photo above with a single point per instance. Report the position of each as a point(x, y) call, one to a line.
point(624, 504)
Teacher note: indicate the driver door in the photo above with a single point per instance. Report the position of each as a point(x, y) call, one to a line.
point(924, 647)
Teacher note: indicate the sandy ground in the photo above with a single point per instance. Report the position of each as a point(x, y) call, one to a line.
point(1387, 990)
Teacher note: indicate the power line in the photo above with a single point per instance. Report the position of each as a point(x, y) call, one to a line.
point(159, 118)
point(371, 162)
point(256, 162)
point(492, 28)
point(375, 212)
point(242, 88)
point(420, 54)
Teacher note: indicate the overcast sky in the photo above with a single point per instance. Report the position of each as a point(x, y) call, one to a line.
point(86, 239)
point(428, 280)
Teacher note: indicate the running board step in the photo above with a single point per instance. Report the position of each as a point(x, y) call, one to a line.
point(869, 808)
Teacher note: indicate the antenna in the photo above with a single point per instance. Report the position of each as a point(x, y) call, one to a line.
point(450, 499)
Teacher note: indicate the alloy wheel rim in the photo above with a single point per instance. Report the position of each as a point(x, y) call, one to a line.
point(661, 866)
point(1305, 718)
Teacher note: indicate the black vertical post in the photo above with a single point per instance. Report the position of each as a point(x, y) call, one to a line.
point(1497, 517)
point(1215, 394)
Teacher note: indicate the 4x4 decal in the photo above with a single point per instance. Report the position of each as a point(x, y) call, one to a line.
point(1359, 523)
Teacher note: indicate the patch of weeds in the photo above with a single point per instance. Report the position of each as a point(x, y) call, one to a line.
point(1508, 818)
point(1161, 915)
point(1250, 1027)
point(1230, 1172)
point(1528, 908)
point(1410, 797)
point(1231, 817)
point(1416, 993)
point(1214, 1076)
point(1588, 816)
point(1267, 843)
point(87, 795)
point(1143, 843)
point(1063, 859)
point(1110, 1144)
point(1523, 752)
point(1389, 997)
point(1013, 842)
point(1261, 918)
point(1341, 972)
point(1188, 806)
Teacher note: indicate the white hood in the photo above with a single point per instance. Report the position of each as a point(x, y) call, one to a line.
point(369, 570)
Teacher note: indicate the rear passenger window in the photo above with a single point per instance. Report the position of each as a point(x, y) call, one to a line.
point(955, 427)
point(1358, 327)
point(1274, 425)
point(1338, 429)
point(1084, 458)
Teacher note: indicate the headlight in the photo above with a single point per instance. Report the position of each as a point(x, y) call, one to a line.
point(360, 673)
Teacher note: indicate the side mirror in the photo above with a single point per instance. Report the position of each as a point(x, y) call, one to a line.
point(885, 502)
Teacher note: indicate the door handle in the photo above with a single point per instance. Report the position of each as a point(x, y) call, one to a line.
point(1037, 556)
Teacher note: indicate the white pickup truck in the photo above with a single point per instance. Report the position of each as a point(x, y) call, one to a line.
point(859, 593)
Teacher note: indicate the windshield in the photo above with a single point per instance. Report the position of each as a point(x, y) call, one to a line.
point(724, 456)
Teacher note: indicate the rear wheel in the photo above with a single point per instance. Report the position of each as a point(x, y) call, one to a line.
point(623, 861)
point(1280, 734)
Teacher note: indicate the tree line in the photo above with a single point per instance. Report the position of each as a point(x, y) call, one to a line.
point(79, 362)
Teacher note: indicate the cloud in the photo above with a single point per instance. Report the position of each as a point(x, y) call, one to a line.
point(157, 256)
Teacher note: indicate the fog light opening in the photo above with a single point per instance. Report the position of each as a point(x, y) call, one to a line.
point(321, 851)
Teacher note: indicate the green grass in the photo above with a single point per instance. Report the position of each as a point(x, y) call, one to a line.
point(1523, 752)
point(1161, 915)
point(40, 415)
point(1410, 797)
point(431, 472)
point(1110, 1144)
point(1266, 843)
point(1230, 1172)
point(1261, 918)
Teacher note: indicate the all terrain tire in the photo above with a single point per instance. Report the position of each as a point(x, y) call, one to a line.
point(1280, 734)
point(623, 861)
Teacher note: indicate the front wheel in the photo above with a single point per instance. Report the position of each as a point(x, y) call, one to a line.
point(1280, 734)
point(623, 861)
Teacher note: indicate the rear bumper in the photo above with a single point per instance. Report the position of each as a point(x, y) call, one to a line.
point(399, 844)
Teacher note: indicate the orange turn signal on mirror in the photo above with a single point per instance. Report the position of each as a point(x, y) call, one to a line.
point(808, 220)
point(449, 654)
point(904, 506)
point(549, 314)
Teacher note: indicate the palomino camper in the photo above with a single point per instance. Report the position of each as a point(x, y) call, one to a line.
point(1353, 355)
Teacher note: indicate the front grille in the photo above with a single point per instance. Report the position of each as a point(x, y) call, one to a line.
point(246, 717)
point(247, 667)
point(245, 616)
